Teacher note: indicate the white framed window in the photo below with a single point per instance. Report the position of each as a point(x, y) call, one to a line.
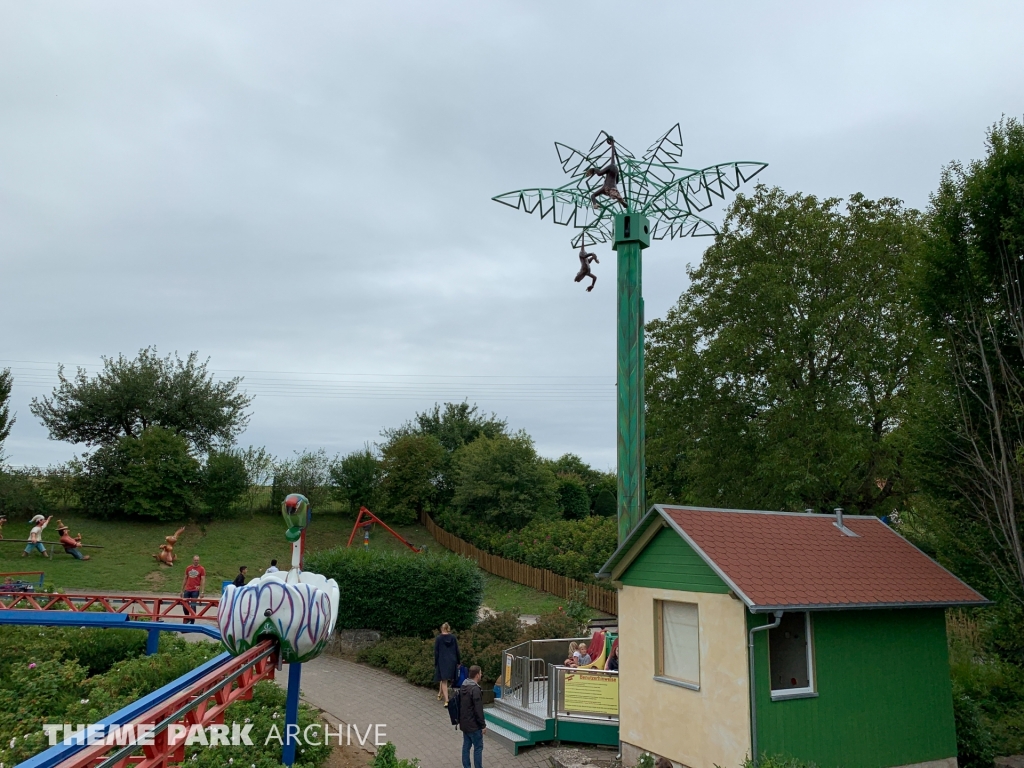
point(677, 643)
point(791, 657)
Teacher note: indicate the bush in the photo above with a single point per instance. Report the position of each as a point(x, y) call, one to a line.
point(482, 644)
point(19, 495)
point(573, 548)
point(224, 480)
point(973, 740)
point(401, 594)
point(386, 758)
point(152, 477)
point(501, 481)
point(573, 499)
point(44, 681)
point(778, 761)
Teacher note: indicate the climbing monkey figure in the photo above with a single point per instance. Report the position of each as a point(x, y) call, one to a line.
point(585, 259)
point(611, 178)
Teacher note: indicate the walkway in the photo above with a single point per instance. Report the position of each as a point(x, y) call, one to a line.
point(416, 722)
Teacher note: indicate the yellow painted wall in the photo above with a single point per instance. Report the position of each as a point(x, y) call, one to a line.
point(699, 729)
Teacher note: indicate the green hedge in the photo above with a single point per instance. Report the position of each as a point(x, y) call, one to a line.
point(401, 594)
point(573, 548)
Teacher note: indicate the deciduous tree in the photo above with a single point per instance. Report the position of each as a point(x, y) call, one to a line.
point(128, 396)
point(780, 379)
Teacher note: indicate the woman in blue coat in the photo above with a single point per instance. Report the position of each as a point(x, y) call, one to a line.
point(446, 660)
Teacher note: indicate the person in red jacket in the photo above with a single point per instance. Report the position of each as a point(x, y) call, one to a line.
point(194, 584)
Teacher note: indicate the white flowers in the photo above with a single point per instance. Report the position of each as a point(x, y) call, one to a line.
point(14, 741)
point(84, 701)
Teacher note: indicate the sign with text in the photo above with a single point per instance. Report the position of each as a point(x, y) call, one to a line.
point(591, 693)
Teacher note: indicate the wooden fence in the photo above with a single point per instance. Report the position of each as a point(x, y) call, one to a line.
point(599, 598)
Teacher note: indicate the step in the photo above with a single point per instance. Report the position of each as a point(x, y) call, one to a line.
point(506, 738)
point(535, 721)
point(515, 721)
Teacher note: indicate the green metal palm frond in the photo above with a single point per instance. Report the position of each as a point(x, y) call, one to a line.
point(655, 185)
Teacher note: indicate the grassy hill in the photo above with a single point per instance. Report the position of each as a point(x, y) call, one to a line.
point(126, 562)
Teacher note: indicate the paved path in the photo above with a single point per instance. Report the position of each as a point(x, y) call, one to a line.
point(416, 722)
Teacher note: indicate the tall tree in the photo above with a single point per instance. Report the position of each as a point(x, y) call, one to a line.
point(972, 290)
point(412, 466)
point(501, 481)
point(357, 479)
point(780, 379)
point(6, 420)
point(453, 425)
point(128, 396)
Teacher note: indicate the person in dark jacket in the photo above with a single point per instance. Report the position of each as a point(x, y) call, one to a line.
point(446, 660)
point(240, 578)
point(471, 719)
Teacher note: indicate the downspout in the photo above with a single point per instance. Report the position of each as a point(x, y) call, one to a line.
point(753, 685)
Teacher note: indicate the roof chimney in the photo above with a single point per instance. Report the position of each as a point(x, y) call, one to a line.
point(842, 526)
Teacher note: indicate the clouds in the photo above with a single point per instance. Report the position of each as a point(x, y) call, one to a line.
point(306, 188)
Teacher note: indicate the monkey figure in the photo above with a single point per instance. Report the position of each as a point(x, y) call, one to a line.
point(585, 259)
point(611, 178)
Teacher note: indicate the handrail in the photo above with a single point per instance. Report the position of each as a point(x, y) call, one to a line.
point(196, 608)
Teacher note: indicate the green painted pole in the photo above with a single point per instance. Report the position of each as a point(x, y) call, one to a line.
point(632, 235)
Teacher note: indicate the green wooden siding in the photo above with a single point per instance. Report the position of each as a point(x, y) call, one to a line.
point(884, 693)
point(668, 562)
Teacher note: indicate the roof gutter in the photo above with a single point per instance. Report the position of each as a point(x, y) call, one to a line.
point(753, 684)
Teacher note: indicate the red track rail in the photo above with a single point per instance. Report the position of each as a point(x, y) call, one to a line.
point(141, 607)
point(203, 705)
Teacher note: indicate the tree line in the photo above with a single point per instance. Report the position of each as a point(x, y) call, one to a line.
point(162, 433)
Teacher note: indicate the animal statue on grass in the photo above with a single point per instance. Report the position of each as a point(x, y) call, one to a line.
point(166, 555)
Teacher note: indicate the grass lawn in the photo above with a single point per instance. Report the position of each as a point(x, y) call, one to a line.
point(126, 562)
point(503, 595)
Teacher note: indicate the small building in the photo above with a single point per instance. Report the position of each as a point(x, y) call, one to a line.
point(839, 622)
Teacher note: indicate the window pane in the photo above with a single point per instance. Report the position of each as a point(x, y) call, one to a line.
point(680, 641)
point(788, 653)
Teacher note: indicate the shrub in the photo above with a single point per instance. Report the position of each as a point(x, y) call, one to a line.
point(386, 758)
point(482, 644)
point(778, 761)
point(973, 740)
point(401, 594)
point(573, 499)
point(224, 480)
point(573, 548)
point(502, 481)
point(19, 495)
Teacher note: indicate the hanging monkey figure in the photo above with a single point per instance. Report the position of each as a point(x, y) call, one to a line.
point(585, 259)
point(611, 178)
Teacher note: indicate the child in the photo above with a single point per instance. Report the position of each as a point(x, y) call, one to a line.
point(573, 654)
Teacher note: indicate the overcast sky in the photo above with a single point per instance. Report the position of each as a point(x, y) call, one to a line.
point(301, 191)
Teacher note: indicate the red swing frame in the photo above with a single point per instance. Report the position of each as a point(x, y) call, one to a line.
point(370, 519)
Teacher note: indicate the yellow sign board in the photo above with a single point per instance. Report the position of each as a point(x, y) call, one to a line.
point(590, 693)
point(508, 670)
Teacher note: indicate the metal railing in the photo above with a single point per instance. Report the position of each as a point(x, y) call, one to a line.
point(593, 693)
point(525, 677)
point(156, 608)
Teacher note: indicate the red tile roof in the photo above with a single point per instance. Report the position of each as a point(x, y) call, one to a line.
point(778, 559)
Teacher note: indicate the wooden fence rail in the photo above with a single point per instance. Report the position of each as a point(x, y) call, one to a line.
point(599, 598)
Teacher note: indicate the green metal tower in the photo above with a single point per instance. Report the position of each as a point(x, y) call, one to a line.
point(639, 199)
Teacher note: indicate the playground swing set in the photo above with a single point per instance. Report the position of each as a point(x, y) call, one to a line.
point(365, 520)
